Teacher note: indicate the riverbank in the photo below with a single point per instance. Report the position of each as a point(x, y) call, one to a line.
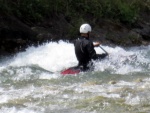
point(19, 28)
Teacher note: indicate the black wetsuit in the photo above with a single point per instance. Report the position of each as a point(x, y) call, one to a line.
point(84, 50)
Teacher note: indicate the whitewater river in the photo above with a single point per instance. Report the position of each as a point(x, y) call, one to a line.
point(30, 82)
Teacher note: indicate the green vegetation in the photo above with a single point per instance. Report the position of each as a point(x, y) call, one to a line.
point(36, 10)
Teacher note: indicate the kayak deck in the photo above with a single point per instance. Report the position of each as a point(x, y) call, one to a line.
point(72, 71)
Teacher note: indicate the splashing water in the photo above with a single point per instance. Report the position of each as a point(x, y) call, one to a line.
point(31, 81)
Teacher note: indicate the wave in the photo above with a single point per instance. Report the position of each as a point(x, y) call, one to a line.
point(55, 57)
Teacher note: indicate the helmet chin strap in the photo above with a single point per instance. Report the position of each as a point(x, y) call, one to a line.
point(88, 34)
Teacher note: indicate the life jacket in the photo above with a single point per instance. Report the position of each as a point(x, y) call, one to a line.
point(84, 50)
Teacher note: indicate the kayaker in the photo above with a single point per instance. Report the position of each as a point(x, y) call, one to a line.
point(84, 48)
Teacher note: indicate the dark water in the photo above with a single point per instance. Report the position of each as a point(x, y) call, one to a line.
point(119, 84)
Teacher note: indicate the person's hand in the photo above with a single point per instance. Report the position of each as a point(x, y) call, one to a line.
point(96, 44)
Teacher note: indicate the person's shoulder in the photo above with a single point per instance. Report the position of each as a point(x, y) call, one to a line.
point(85, 40)
point(89, 41)
point(76, 40)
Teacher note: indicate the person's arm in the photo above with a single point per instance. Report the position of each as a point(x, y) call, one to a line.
point(91, 51)
point(96, 44)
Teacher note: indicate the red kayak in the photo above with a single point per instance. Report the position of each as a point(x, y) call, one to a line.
point(71, 71)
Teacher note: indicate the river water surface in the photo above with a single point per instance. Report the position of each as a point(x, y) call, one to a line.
point(30, 82)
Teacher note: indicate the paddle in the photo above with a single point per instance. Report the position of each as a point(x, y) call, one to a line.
point(98, 44)
point(103, 50)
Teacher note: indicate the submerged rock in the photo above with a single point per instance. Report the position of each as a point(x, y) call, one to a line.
point(138, 80)
point(112, 82)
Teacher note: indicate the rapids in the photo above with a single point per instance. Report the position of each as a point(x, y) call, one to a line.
point(30, 81)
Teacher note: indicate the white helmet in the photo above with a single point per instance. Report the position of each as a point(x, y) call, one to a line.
point(85, 28)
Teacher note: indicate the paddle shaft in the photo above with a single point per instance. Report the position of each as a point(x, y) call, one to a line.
point(103, 50)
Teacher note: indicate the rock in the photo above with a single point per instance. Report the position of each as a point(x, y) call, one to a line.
point(54, 28)
point(109, 32)
point(112, 82)
point(43, 34)
point(144, 31)
point(138, 80)
point(135, 38)
point(14, 35)
point(145, 43)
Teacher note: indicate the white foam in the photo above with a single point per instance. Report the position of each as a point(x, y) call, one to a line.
point(121, 61)
point(15, 110)
point(51, 56)
point(55, 57)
